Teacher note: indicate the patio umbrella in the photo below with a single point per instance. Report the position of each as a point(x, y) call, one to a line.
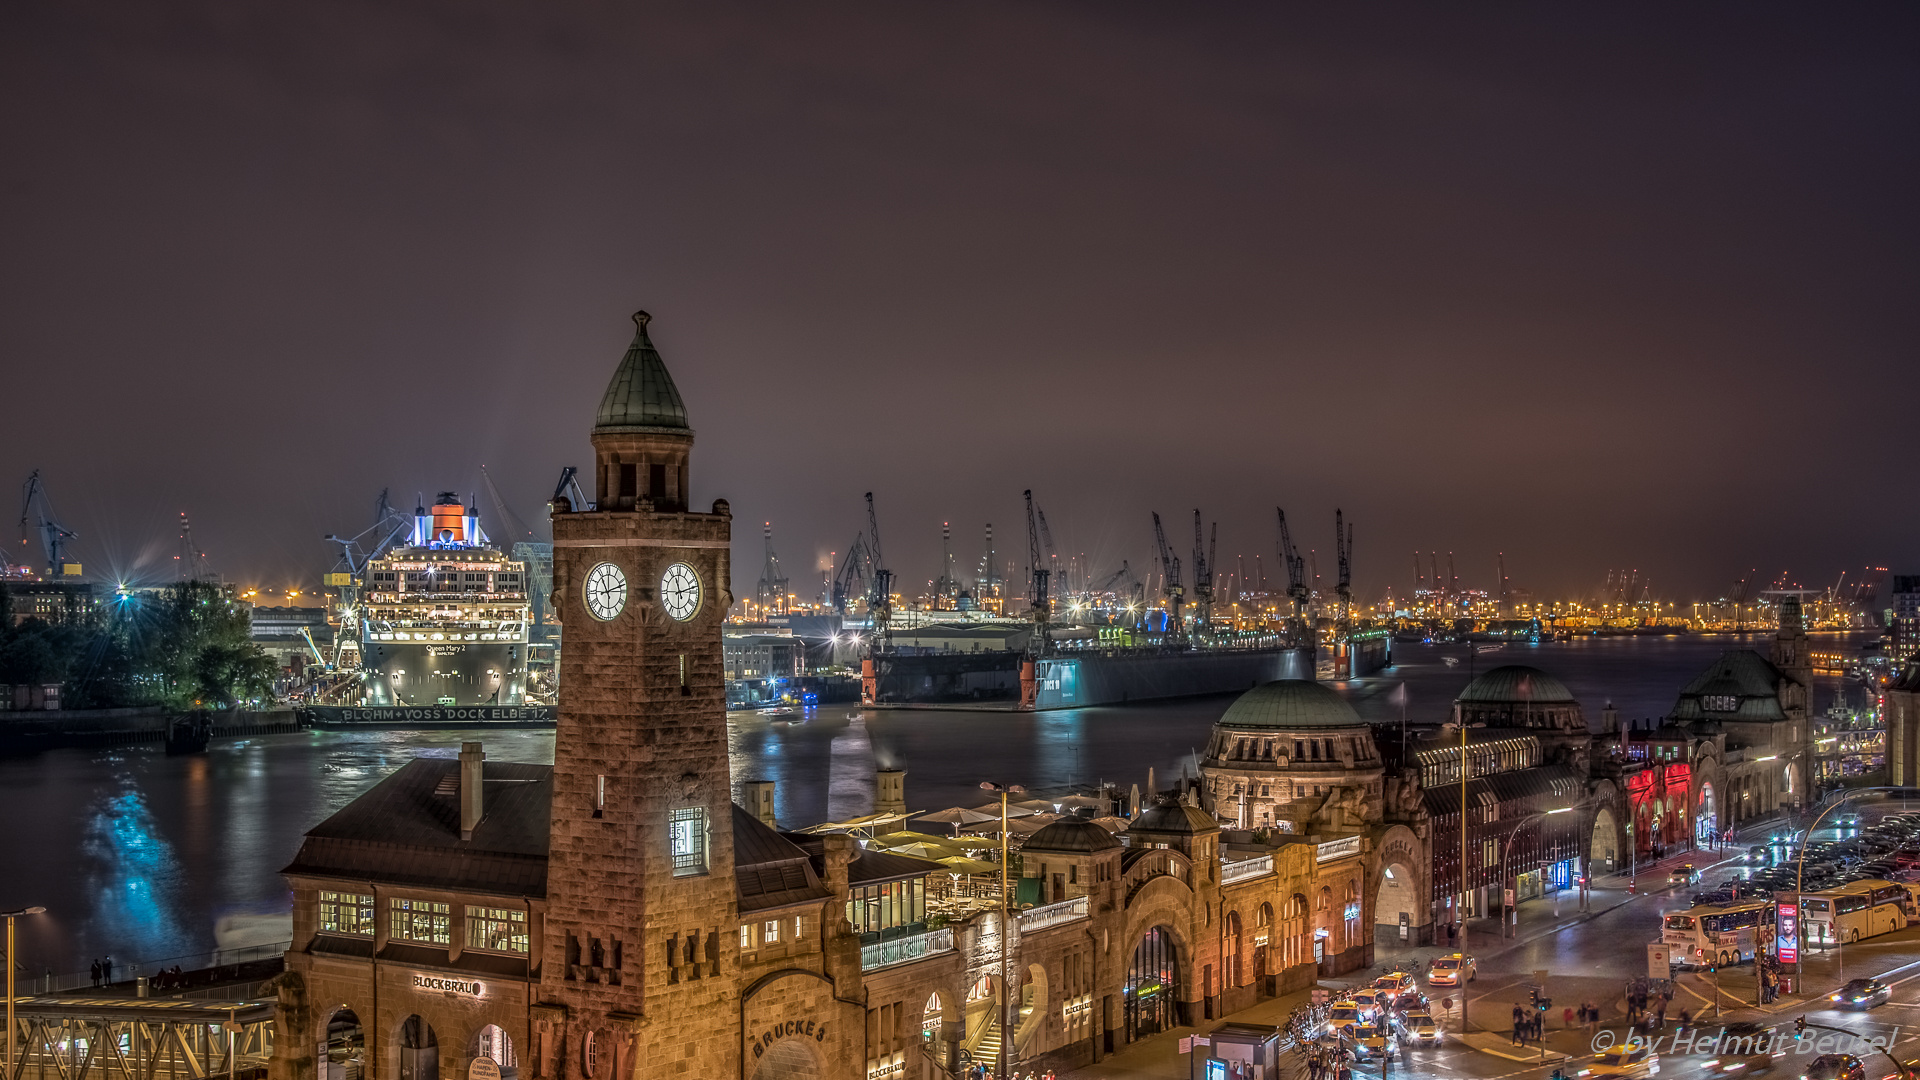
point(1110, 823)
point(1014, 809)
point(1025, 826)
point(960, 864)
point(905, 837)
point(1037, 806)
point(1075, 802)
point(934, 852)
point(957, 816)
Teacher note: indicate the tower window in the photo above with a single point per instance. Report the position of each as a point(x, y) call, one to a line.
point(657, 481)
point(629, 481)
point(687, 837)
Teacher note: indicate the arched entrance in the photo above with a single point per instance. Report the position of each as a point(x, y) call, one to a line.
point(491, 1042)
point(787, 1059)
point(419, 1050)
point(1293, 933)
point(1153, 985)
point(1705, 818)
point(1263, 946)
point(1605, 849)
point(1396, 906)
point(1033, 1005)
point(344, 1049)
point(1233, 952)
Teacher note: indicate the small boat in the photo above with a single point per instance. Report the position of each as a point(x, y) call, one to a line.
point(855, 716)
point(1496, 647)
point(1451, 661)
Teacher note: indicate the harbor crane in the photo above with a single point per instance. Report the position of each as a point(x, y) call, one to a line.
point(192, 561)
point(946, 588)
point(36, 512)
point(773, 584)
point(372, 542)
point(1136, 593)
point(1037, 600)
point(880, 585)
point(569, 489)
point(1343, 550)
point(851, 579)
point(987, 582)
point(1296, 580)
point(1203, 564)
point(1170, 581)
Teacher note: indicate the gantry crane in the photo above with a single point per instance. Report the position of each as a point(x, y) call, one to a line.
point(1039, 572)
point(36, 511)
point(850, 580)
point(1203, 574)
point(880, 587)
point(1343, 550)
point(192, 561)
point(772, 588)
point(1170, 581)
point(1296, 580)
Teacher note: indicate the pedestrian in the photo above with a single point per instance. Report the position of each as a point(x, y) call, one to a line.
point(106, 970)
point(95, 972)
point(1566, 1018)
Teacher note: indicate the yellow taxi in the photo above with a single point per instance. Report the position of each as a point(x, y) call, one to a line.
point(1454, 969)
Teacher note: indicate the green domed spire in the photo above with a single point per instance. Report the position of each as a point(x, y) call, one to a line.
point(642, 395)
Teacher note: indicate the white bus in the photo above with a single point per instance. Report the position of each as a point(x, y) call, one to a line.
point(1861, 909)
point(1717, 933)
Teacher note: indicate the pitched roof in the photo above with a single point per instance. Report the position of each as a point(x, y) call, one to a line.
point(642, 395)
point(1744, 676)
point(770, 871)
point(870, 866)
point(406, 831)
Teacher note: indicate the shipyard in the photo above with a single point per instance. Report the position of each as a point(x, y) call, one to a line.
point(984, 542)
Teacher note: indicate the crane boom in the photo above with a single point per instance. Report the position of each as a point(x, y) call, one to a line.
point(1038, 570)
point(1343, 551)
point(36, 512)
point(880, 587)
point(1296, 566)
point(1170, 581)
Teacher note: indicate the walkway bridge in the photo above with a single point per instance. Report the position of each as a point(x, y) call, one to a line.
point(83, 1037)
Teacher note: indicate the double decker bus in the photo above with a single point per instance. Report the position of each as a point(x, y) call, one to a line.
point(1720, 934)
point(1860, 909)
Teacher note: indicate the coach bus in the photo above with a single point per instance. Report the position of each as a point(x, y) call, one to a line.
point(1720, 934)
point(1860, 909)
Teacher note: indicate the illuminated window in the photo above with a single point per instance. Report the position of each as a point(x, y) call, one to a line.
point(799, 927)
point(497, 929)
point(422, 920)
point(346, 913)
point(771, 931)
point(687, 836)
point(746, 935)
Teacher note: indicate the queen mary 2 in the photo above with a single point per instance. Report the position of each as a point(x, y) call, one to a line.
point(443, 620)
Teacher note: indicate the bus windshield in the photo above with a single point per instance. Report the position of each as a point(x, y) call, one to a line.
point(1679, 922)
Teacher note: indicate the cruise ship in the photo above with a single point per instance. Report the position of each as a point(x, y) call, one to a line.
point(443, 629)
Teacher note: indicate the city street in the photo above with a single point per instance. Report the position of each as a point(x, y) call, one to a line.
point(1591, 958)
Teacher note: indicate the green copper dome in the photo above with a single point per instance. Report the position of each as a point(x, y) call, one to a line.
point(1291, 703)
point(641, 396)
point(1517, 684)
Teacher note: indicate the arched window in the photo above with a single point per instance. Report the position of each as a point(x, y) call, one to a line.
point(1350, 913)
point(1234, 952)
point(1293, 932)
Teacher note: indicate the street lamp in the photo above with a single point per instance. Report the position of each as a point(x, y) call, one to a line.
point(1506, 849)
point(13, 962)
point(1006, 930)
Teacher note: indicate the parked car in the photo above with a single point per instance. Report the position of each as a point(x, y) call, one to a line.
point(1861, 994)
point(1454, 969)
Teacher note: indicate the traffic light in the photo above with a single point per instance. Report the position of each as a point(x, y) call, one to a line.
point(1799, 1025)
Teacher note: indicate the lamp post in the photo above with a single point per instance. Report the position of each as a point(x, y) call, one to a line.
point(1506, 849)
point(1006, 929)
point(13, 961)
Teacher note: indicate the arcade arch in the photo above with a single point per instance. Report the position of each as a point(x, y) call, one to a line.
point(1033, 1004)
point(1604, 852)
point(493, 1043)
point(1705, 815)
point(1233, 951)
point(1152, 989)
point(343, 1054)
point(419, 1050)
point(789, 1059)
point(1397, 902)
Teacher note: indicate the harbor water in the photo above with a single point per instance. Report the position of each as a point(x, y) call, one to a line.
point(157, 860)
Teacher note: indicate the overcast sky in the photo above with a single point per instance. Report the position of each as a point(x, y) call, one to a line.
point(1593, 285)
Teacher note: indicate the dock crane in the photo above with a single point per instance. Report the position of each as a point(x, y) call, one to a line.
point(880, 586)
point(850, 580)
point(36, 511)
point(946, 588)
point(1170, 581)
point(1203, 574)
point(1037, 600)
point(1343, 550)
point(1135, 592)
point(772, 588)
point(568, 488)
point(192, 561)
point(1296, 580)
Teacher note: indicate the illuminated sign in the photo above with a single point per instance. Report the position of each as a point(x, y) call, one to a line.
point(450, 986)
point(1789, 932)
point(1352, 911)
point(1338, 849)
point(807, 1029)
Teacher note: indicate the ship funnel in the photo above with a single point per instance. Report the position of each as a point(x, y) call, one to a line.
point(422, 530)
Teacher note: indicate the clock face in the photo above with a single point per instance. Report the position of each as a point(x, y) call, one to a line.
point(606, 591)
point(680, 591)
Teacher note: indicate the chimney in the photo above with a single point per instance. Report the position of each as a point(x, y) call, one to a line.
point(759, 800)
point(890, 794)
point(471, 770)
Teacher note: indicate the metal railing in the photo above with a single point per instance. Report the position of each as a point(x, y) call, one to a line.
point(1039, 918)
point(900, 950)
point(1243, 869)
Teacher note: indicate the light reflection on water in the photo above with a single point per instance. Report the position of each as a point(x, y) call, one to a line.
point(147, 857)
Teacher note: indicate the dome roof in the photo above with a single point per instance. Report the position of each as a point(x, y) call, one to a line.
point(1291, 703)
point(642, 395)
point(1174, 817)
point(1517, 684)
point(1071, 835)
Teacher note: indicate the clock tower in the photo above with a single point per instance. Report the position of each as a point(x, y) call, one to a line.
point(637, 977)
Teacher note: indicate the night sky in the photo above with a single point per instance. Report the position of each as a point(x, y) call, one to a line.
point(1598, 286)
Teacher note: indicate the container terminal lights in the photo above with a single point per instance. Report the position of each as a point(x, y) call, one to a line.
point(444, 617)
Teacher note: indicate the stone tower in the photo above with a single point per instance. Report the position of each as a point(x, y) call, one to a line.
point(640, 929)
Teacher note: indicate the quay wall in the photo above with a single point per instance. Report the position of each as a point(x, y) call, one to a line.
point(1072, 682)
point(31, 732)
